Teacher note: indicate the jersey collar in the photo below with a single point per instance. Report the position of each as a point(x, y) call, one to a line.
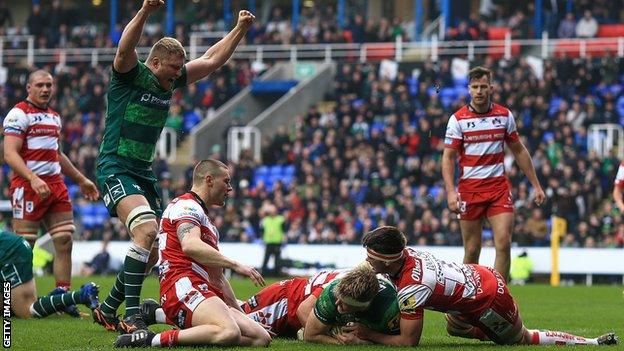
point(471, 109)
point(200, 201)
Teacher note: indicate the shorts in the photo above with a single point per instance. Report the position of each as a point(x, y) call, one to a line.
point(17, 267)
point(180, 301)
point(473, 206)
point(116, 182)
point(28, 205)
point(270, 307)
point(499, 319)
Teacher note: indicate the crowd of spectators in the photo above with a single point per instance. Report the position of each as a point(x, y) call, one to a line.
point(57, 27)
point(372, 157)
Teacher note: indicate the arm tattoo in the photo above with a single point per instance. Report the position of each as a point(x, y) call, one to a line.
point(184, 229)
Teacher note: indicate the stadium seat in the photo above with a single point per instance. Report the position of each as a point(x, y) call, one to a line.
point(272, 87)
point(610, 31)
point(289, 170)
point(275, 170)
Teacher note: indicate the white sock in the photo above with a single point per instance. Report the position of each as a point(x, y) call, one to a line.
point(156, 340)
point(160, 316)
point(548, 337)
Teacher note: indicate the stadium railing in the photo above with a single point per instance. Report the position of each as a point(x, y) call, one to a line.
point(398, 50)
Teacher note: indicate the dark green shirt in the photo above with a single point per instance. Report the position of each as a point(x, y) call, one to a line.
point(135, 116)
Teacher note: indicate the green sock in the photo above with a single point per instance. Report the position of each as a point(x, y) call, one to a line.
point(134, 269)
point(115, 297)
point(47, 305)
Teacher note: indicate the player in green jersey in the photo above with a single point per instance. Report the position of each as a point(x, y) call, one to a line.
point(138, 102)
point(360, 296)
point(17, 276)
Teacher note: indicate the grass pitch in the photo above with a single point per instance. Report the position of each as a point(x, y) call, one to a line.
point(580, 310)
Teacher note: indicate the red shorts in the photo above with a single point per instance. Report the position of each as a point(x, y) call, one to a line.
point(29, 206)
point(474, 206)
point(271, 307)
point(499, 317)
point(184, 296)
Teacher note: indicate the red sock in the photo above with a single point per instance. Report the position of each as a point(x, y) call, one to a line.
point(63, 284)
point(168, 338)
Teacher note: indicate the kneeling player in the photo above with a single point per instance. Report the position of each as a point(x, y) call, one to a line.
point(475, 298)
point(194, 293)
point(16, 269)
point(359, 297)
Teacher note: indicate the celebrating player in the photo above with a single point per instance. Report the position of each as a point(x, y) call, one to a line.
point(358, 297)
point(476, 133)
point(194, 293)
point(617, 188)
point(16, 268)
point(138, 98)
point(475, 298)
point(39, 195)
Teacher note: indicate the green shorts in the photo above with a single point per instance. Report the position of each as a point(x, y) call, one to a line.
point(17, 268)
point(116, 182)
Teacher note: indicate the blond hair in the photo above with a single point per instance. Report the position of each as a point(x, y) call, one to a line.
point(360, 284)
point(166, 47)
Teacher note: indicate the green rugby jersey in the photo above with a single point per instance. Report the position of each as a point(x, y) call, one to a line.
point(382, 315)
point(9, 244)
point(135, 116)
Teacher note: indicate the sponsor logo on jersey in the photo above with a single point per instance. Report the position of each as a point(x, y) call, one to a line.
point(148, 98)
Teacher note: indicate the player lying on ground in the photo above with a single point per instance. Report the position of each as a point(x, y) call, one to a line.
point(16, 268)
point(358, 297)
point(283, 307)
point(475, 298)
point(196, 295)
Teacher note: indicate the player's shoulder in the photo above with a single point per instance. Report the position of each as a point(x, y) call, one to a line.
point(19, 110)
point(462, 113)
point(499, 110)
point(185, 205)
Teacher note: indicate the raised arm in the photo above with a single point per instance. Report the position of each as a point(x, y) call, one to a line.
point(126, 57)
point(219, 53)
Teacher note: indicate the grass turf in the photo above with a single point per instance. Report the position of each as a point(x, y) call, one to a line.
point(580, 310)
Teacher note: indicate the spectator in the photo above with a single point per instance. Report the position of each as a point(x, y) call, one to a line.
point(587, 26)
point(273, 236)
point(99, 264)
point(567, 27)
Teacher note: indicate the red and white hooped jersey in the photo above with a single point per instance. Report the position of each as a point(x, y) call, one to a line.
point(172, 260)
point(301, 288)
point(40, 129)
point(619, 178)
point(426, 282)
point(479, 138)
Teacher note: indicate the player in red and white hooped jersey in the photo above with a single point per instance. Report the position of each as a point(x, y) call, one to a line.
point(39, 196)
point(284, 306)
point(476, 134)
point(475, 298)
point(618, 187)
point(194, 293)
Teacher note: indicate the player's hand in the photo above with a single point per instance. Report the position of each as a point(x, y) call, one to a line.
point(245, 19)
point(540, 197)
point(151, 6)
point(351, 339)
point(358, 329)
point(452, 198)
point(268, 329)
point(40, 187)
point(251, 273)
point(89, 190)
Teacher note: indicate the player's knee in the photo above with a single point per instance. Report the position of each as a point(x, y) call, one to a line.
point(503, 247)
point(62, 236)
point(142, 224)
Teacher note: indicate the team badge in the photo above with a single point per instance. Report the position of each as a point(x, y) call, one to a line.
point(29, 206)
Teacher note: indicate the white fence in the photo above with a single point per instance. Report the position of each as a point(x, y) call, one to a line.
point(398, 50)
